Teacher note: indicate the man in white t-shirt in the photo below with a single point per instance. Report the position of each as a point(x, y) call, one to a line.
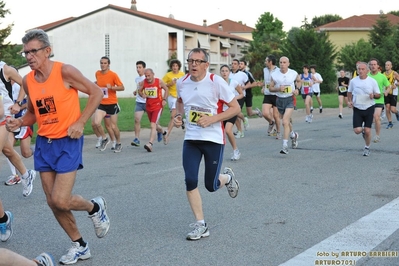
point(199, 94)
point(283, 83)
point(140, 103)
point(361, 94)
point(242, 80)
point(317, 80)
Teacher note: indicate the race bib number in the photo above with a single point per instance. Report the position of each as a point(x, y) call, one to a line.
point(342, 88)
point(267, 86)
point(194, 115)
point(287, 89)
point(306, 83)
point(105, 92)
point(151, 92)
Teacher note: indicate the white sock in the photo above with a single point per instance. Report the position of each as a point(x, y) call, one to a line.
point(12, 167)
point(201, 222)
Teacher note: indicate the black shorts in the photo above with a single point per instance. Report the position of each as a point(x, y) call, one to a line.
point(363, 116)
point(391, 99)
point(231, 120)
point(109, 109)
point(270, 99)
point(304, 95)
point(345, 93)
point(248, 98)
point(241, 102)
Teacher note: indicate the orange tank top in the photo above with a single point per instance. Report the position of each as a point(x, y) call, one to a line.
point(56, 106)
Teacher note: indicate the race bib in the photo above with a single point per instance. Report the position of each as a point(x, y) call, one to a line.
point(287, 89)
point(151, 92)
point(342, 88)
point(105, 92)
point(194, 115)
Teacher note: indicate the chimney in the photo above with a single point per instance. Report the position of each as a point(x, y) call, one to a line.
point(220, 27)
point(204, 24)
point(133, 6)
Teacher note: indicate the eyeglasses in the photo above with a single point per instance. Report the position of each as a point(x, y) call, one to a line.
point(32, 52)
point(197, 61)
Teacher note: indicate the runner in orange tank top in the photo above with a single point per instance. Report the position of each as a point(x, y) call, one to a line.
point(53, 103)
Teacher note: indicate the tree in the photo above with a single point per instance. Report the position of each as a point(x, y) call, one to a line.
point(306, 46)
point(382, 29)
point(267, 38)
point(396, 13)
point(4, 33)
point(325, 19)
point(352, 53)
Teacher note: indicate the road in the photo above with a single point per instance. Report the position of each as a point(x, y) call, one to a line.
point(321, 199)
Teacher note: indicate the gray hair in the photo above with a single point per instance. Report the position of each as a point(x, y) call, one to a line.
point(36, 34)
point(197, 51)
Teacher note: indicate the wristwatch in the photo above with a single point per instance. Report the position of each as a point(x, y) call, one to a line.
point(20, 103)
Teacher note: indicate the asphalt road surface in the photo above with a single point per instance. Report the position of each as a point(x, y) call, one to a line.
point(323, 201)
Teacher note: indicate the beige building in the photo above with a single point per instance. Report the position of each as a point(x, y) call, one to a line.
point(352, 29)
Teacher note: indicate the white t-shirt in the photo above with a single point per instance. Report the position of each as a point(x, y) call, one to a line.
point(204, 97)
point(139, 99)
point(361, 90)
point(267, 76)
point(233, 84)
point(241, 77)
point(316, 86)
point(285, 79)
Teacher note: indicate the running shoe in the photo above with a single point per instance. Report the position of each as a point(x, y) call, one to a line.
point(310, 118)
point(200, 230)
point(13, 180)
point(366, 151)
point(258, 112)
point(232, 186)
point(307, 119)
point(239, 134)
point(397, 115)
point(45, 259)
point(340, 116)
point(118, 148)
point(278, 135)
point(246, 123)
point(6, 228)
point(100, 219)
point(270, 129)
point(236, 155)
point(135, 142)
point(159, 135)
point(27, 183)
point(148, 147)
point(75, 253)
point(284, 150)
point(390, 125)
point(376, 139)
point(321, 110)
point(113, 146)
point(104, 144)
point(311, 110)
point(98, 144)
point(294, 140)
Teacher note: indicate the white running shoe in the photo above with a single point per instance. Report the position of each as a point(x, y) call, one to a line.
point(236, 155)
point(45, 259)
point(75, 253)
point(98, 144)
point(27, 183)
point(100, 219)
point(284, 150)
point(200, 230)
point(239, 135)
point(294, 140)
point(6, 228)
point(232, 186)
point(246, 123)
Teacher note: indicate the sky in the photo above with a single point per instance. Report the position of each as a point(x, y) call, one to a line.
point(28, 14)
